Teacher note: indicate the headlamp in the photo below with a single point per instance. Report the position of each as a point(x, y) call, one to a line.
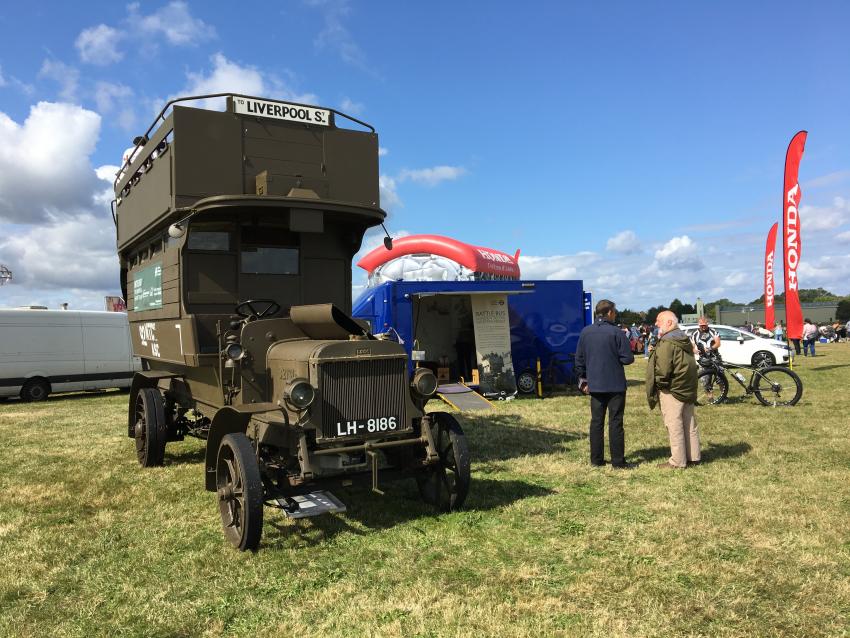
point(299, 393)
point(424, 382)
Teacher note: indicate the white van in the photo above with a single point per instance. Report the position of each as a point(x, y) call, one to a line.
point(44, 351)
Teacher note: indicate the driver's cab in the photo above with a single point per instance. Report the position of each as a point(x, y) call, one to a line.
point(232, 258)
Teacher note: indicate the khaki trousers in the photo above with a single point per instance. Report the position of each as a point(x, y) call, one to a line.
point(681, 428)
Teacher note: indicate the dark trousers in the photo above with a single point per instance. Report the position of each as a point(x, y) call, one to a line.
point(796, 343)
point(615, 404)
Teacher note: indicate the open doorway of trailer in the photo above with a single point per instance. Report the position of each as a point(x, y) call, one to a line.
point(444, 337)
point(466, 337)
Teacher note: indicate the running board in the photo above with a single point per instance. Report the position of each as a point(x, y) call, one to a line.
point(312, 504)
point(463, 398)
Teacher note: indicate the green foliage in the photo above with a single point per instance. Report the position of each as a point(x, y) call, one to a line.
point(843, 311)
point(807, 295)
point(630, 317)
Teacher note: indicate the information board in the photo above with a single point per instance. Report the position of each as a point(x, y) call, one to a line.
point(147, 288)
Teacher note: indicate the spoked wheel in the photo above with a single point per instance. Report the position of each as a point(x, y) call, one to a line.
point(446, 484)
point(150, 428)
point(712, 388)
point(777, 386)
point(240, 492)
point(526, 382)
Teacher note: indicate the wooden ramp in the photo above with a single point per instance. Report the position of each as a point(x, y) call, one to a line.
point(463, 398)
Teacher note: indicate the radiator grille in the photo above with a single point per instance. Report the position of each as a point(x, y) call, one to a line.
point(360, 390)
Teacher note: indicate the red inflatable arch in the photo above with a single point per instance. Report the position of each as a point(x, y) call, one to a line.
point(476, 258)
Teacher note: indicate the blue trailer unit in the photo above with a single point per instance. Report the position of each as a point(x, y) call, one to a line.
point(546, 317)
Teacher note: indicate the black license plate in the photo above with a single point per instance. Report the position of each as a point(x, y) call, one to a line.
point(365, 427)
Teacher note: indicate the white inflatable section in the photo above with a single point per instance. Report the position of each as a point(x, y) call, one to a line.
point(420, 268)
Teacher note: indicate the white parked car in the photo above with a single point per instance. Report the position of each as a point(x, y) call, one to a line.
point(743, 348)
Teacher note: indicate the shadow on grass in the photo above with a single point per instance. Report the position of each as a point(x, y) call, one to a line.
point(184, 457)
point(400, 504)
point(496, 437)
point(710, 453)
point(832, 367)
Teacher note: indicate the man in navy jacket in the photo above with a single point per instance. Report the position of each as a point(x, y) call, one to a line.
point(603, 350)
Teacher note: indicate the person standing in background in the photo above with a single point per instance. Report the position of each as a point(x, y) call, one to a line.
point(779, 332)
point(810, 335)
point(603, 349)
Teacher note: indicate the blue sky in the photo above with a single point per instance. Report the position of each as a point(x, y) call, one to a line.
point(636, 146)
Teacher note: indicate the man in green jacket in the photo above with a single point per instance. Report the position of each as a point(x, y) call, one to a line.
point(671, 381)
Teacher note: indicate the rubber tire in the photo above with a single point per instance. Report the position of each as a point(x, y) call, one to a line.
point(759, 380)
point(431, 482)
point(720, 383)
point(760, 357)
point(35, 390)
point(150, 449)
point(526, 382)
point(247, 538)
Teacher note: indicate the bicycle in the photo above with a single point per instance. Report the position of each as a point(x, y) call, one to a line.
point(772, 385)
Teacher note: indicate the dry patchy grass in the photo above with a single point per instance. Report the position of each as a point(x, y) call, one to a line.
point(753, 542)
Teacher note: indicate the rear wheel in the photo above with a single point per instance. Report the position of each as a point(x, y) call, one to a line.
point(526, 382)
point(150, 427)
point(35, 390)
point(446, 484)
point(776, 386)
point(240, 492)
point(763, 359)
point(712, 388)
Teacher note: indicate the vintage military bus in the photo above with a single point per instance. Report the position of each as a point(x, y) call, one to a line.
point(236, 231)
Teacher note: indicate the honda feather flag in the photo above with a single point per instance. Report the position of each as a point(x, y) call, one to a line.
point(769, 252)
point(791, 242)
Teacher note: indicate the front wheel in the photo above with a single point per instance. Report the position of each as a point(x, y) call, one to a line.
point(240, 492)
point(712, 387)
point(526, 382)
point(763, 359)
point(446, 484)
point(777, 386)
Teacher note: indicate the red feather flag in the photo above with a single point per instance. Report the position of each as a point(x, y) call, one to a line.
point(791, 241)
point(769, 252)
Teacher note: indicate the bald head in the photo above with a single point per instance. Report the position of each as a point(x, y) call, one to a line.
point(666, 321)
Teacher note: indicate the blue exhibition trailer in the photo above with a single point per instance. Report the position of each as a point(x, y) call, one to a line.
point(546, 317)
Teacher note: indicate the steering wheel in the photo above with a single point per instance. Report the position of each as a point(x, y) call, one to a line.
point(247, 309)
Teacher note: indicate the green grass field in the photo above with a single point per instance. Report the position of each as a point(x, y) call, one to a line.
point(756, 541)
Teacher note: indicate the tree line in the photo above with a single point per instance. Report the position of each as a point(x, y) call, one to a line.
point(807, 295)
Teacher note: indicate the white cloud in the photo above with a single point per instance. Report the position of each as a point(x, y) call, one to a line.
point(828, 271)
point(72, 253)
point(431, 176)
point(227, 76)
point(844, 237)
point(336, 36)
point(680, 253)
point(736, 278)
point(66, 76)
point(817, 218)
point(174, 22)
point(45, 170)
point(106, 94)
point(2, 79)
point(556, 266)
point(351, 107)
point(626, 243)
point(383, 151)
point(389, 195)
point(99, 45)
